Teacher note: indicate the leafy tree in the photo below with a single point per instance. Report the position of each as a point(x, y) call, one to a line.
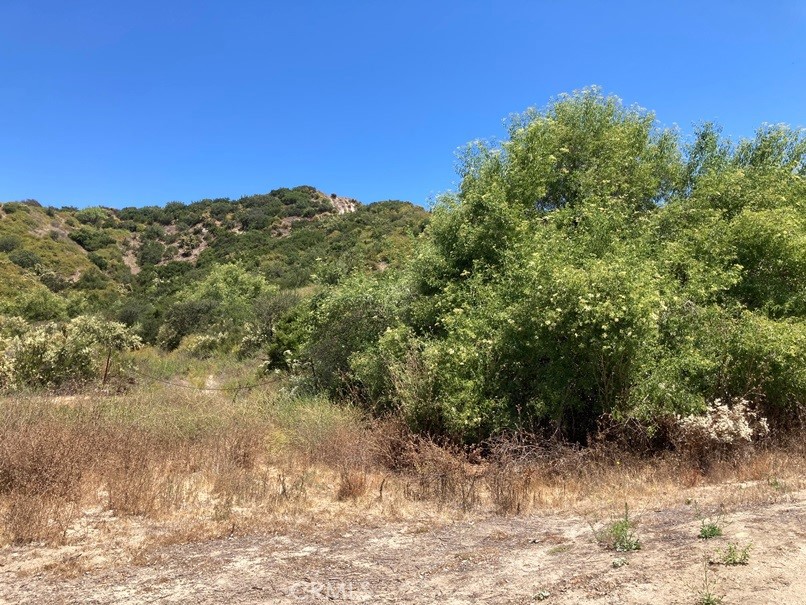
point(221, 302)
point(150, 253)
point(342, 323)
point(92, 216)
point(590, 266)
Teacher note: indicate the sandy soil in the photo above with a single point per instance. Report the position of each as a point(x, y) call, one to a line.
point(524, 559)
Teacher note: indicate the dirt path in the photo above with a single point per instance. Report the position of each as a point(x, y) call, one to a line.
point(497, 560)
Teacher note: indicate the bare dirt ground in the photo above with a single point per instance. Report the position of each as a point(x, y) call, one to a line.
point(538, 557)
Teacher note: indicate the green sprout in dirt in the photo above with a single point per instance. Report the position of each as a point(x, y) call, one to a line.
point(735, 555)
point(711, 527)
point(620, 534)
point(706, 594)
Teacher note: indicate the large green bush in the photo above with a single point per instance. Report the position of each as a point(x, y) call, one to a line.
point(36, 304)
point(9, 242)
point(91, 239)
point(53, 354)
point(593, 265)
point(221, 304)
point(24, 258)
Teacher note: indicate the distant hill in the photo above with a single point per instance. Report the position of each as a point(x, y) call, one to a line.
point(58, 262)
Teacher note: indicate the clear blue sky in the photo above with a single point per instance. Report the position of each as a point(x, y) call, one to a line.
point(131, 103)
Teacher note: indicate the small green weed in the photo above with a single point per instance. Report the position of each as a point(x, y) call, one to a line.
point(735, 555)
point(620, 534)
point(706, 594)
point(709, 599)
point(709, 529)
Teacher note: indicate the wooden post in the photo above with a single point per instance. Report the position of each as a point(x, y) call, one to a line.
point(106, 368)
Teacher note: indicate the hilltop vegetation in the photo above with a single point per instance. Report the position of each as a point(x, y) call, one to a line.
point(140, 265)
point(591, 270)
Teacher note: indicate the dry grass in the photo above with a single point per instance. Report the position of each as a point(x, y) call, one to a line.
point(187, 466)
point(141, 455)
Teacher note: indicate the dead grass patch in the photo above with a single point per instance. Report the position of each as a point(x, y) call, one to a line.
point(177, 466)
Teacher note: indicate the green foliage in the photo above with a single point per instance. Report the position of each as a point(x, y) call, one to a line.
point(324, 250)
point(98, 260)
point(709, 598)
point(92, 216)
point(9, 242)
point(620, 534)
point(710, 527)
point(184, 318)
point(583, 147)
point(270, 313)
point(590, 266)
point(233, 288)
point(141, 316)
point(710, 530)
point(221, 303)
point(735, 555)
point(36, 304)
point(53, 354)
point(150, 253)
point(24, 258)
point(14, 207)
point(12, 326)
point(706, 594)
point(771, 249)
point(91, 239)
point(203, 346)
point(341, 324)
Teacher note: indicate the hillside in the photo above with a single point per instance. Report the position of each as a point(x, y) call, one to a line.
point(60, 262)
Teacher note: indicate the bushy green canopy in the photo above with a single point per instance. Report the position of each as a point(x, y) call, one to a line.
point(593, 264)
point(53, 354)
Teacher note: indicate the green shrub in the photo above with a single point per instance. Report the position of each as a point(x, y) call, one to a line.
point(36, 304)
point(92, 279)
point(91, 239)
point(221, 303)
point(92, 216)
point(592, 266)
point(99, 261)
point(343, 322)
point(184, 318)
point(735, 555)
point(9, 242)
point(619, 535)
point(24, 258)
point(203, 346)
point(51, 355)
point(53, 281)
point(710, 530)
point(150, 253)
point(270, 312)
